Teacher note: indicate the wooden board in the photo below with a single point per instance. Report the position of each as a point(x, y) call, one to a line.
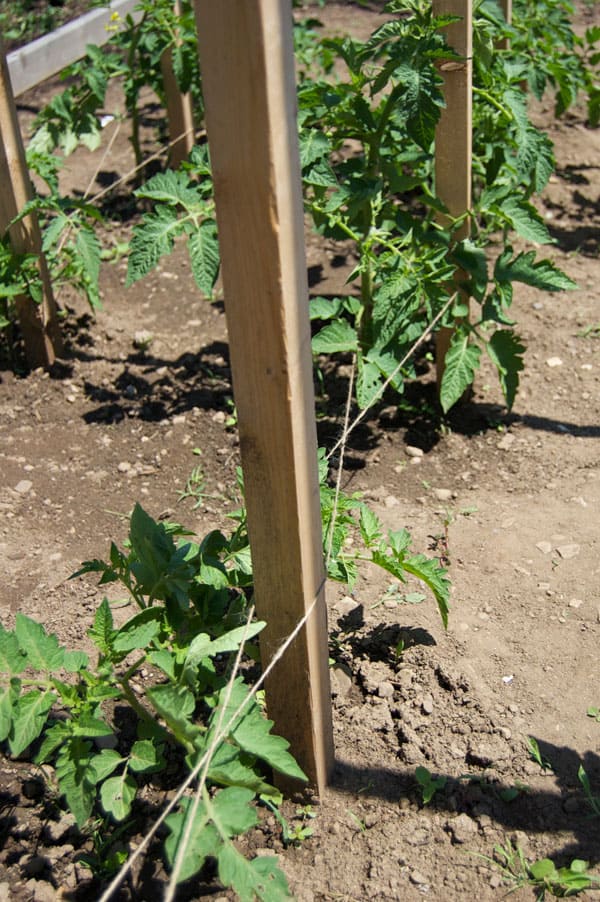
point(453, 137)
point(38, 60)
point(247, 63)
point(39, 322)
point(180, 109)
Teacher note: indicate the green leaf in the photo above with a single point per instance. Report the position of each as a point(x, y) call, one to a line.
point(8, 696)
point(74, 661)
point(144, 757)
point(12, 659)
point(370, 526)
point(117, 795)
point(29, 716)
point(175, 704)
point(204, 840)
point(102, 632)
point(420, 102)
point(170, 187)
point(472, 259)
point(89, 726)
point(134, 635)
point(429, 571)
point(314, 145)
point(76, 777)
point(203, 245)
point(202, 646)
point(152, 239)
point(460, 365)
point(336, 336)
point(259, 878)
point(525, 219)
point(543, 870)
point(506, 351)
point(368, 382)
point(89, 249)
point(42, 650)
point(251, 732)
point(542, 274)
point(325, 308)
point(102, 765)
point(228, 769)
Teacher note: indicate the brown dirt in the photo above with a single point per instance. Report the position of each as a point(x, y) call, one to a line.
point(514, 497)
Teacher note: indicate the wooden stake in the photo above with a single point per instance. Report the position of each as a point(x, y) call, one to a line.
point(248, 81)
point(39, 322)
point(506, 6)
point(453, 137)
point(180, 109)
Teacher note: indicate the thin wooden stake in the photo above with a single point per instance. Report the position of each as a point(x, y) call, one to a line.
point(453, 136)
point(180, 109)
point(506, 6)
point(39, 322)
point(248, 81)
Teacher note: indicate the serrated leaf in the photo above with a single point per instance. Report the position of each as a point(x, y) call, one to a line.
point(12, 660)
point(117, 795)
point(334, 337)
point(175, 704)
point(460, 365)
point(228, 769)
point(133, 636)
point(429, 571)
point(525, 220)
point(204, 840)
point(102, 632)
point(259, 878)
point(472, 260)
point(102, 765)
point(89, 249)
point(144, 757)
point(420, 102)
point(75, 661)
point(368, 382)
point(203, 646)
point(542, 274)
point(170, 187)
point(152, 239)
point(203, 245)
point(506, 351)
point(314, 145)
point(370, 526)
point(252, 732)
point(324, 308)
point(42, 650)
point(73, 772)
point(30, 713)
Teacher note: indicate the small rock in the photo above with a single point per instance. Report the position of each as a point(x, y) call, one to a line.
point(568, 551)
point(391, 501)
point(341, 682)
point(124, 466)
point(346, 605)
point(44, 892)
point(427, 705)
point(142, 340)
point(264, 853)
point(23, 486)
point(462, 828)
point(575, 602)
point(419, 837)
point(544, 547)
point(442, 494)
point(4, 891)
point(417, 878)
point(495, 881)
point(412, 451)
point(385, 689)
point(554, 361)
point(506, 443)
point(219, 416)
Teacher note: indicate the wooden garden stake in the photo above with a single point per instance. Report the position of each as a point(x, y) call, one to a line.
point(453, 136)
point(506, 6)
point(248, 81)
point(180, 109)
point(38, 321)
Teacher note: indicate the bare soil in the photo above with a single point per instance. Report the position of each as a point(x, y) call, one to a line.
point(512, 499)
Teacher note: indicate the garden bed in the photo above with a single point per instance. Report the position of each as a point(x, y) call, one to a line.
point(508, 499)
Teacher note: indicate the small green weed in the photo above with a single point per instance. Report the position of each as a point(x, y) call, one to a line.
point(428, 783)
point(534, 751)
point(593, 711)
point(592, 800)
point(542, 875)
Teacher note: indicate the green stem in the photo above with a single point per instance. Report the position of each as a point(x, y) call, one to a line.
point(490, 99)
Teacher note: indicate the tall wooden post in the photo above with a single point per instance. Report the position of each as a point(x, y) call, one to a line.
point(38, 321)
point(180, 109)
point(247, 64)
point(506, 6)
point(453, 137)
